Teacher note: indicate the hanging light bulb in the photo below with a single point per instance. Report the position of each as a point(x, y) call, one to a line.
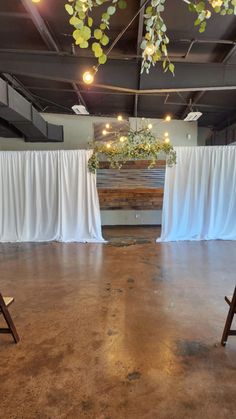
point(123, 139)
point(167, 140)
point(108, 145)
point(88, 77)
point(104, 132)
point(35, 1)
point(149, 126)
point(166, 134)
point(120, 118)
point(150, 49)
point(107, 126)
point(168, 118)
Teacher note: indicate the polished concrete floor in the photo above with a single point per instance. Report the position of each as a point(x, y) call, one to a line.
point(126, 330)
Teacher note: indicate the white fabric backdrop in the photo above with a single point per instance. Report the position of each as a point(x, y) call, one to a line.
point(48, 195)
point(200, 195)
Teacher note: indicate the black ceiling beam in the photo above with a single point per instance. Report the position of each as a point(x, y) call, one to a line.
point(48, 37)
point(188, 77)
point(15, 15)
point(40, 25)
point(213, 107)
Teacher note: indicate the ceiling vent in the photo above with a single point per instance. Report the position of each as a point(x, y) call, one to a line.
point(80, 110)
point(193, 116)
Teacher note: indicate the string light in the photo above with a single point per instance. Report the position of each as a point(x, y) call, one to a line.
point(104, 132)
point(107, 126)
point(120, 118)
point(108, 145)
point(166, 134)
point(167, 140)
point(88, 77)
point(123, 139)
point(168, 118)
point(150, 49)
point(35, 1)
point(149, 126)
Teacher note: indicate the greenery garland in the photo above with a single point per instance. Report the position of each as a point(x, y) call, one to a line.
point(155, 40)
point(135, 145)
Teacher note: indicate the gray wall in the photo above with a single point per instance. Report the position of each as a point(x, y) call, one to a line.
point(204, 134)
point(78, 130)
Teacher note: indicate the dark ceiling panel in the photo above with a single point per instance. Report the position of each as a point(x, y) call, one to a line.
point(22, 34)
point(11, 6)
point(111, 104)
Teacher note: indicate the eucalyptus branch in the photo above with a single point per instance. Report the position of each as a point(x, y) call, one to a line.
point(155, 41)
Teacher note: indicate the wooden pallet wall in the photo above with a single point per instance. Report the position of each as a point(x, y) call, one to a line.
point(134, 187)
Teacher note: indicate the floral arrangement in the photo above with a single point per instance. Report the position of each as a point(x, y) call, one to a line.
point(134, 145)
point(155, 41)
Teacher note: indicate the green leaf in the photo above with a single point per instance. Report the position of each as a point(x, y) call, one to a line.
point(122, 4)
point(74, 21)
point(84, 44)
point(98, 34)
point(102, 59)
point(111, 10)
point(69, 9)
point(172, 68)
point(200, 6)
point(202, 27)
point(86, 32)
point(105, 17)
point(90, 21)
point(104, 40)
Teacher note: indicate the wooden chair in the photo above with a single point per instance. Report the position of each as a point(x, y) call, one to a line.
point(5, 302)
point(232, 310)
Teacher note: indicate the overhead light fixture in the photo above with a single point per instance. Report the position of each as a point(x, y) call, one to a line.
point(80, 110)
point(193, 116)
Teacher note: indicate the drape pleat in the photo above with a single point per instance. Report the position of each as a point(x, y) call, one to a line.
point(48, 195)
point(200, 195)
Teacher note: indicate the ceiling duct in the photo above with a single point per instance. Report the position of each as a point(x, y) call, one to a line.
point(20, 114)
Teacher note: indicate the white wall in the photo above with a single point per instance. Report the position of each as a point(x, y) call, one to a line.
point(78, 130)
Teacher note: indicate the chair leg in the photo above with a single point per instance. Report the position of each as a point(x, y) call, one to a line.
point(10, 324)
point(232, 310)
point(228, 323)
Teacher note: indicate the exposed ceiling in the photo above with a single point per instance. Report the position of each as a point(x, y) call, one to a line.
point(36, 48)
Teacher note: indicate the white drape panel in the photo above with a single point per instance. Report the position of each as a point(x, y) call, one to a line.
point(200, 195)
point(45, 195)
point(79, 205)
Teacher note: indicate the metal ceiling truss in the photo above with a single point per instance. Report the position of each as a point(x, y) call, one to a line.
point(48, 38)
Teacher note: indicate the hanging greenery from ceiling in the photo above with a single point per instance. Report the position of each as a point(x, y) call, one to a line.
point(155, 41)
point(137, 144)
